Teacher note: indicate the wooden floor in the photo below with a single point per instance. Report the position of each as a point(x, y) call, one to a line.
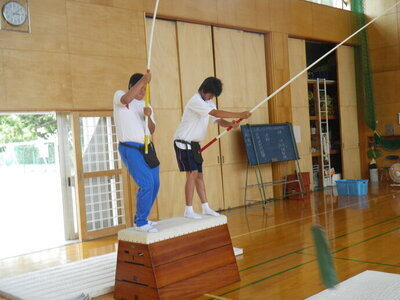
point(278, 260)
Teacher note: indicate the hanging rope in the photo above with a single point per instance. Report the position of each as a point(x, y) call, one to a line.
point(147, 97)
point(301, 73)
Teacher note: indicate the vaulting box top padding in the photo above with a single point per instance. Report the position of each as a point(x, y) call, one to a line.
point(170, 228)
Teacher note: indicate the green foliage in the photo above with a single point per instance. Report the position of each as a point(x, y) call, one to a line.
point(29, 154)
point(19, 128)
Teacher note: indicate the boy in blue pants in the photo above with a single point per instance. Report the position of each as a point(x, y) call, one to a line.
point(129, 115)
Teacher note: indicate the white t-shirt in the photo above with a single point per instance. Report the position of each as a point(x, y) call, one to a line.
point(194, 124)
point(129, 122)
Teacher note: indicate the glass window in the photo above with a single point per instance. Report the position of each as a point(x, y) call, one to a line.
point(343, 4)
point(31, 206)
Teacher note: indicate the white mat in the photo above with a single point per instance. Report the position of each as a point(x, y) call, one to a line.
point(371, 285)
point(94, 276)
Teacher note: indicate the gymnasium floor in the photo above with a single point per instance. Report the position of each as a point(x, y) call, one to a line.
point(278, 260)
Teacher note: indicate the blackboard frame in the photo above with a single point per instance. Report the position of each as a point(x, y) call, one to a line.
point(254, 159)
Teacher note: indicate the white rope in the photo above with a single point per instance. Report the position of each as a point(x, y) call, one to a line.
point(314, 63)
point(146, 119)
point(151, 36)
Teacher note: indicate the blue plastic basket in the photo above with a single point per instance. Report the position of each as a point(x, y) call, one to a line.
point(352, 187)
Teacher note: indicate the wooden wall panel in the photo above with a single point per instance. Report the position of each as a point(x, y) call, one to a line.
point(300, 106)
point(390, 81)
point(136, 4)
point(382, 33)
point(234, 178)
point(115, 28)
point(348, 156)
point(323, 19)
point(230, 67)
point(255, 70)
point(241, 13)
point(2, 81)
point(280, 106)
point(348, 113)
point(165, 85)
point(306, 166)
point(240, 63)
point(167, 122)
point(96, 78)
point(300, 118)
point(278, 15)
point(348, 116)
point(205, 10)
point(48, 26)
point(196, 63)
point(171, 197)
point(385, 59)
point(301, 21)
point(36, 80)
point(294, 17)
point(195, 57)
point(211, 156)
point(297, 63)
point(248, 88)
point(278, 74)
point(387, 114)
point(347, 76)
point(102, 30)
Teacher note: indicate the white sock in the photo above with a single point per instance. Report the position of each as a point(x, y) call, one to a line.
point(146, 228)
point(189, 213)
point(208, 211)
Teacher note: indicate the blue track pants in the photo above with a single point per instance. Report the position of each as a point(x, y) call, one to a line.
point(146, 178)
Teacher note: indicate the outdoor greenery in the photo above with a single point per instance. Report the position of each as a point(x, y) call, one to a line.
point(26, 139)
point(23, 128)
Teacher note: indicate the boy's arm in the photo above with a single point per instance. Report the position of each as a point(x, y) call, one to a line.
point(134, 90)
point(227, 114)
point(152, 126)
point(225, 123)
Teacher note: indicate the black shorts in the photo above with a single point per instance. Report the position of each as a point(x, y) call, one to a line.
point(186, 160)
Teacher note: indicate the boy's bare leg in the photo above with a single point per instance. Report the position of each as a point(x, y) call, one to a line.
point(189, 191)
point(201, 191)
point(201, 188)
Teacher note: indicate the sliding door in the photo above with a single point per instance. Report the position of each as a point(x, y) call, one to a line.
point(240, 63)
point(196, 64)
point(101, 183)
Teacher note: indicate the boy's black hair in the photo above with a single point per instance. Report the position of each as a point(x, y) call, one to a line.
point(211, 85)
point(134, 79)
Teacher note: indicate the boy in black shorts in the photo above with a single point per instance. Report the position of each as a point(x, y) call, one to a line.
point(191, 131)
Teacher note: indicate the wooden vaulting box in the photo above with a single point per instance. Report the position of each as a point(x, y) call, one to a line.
point(181, 261)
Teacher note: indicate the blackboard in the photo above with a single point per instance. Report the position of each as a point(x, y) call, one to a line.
point(269, 143)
